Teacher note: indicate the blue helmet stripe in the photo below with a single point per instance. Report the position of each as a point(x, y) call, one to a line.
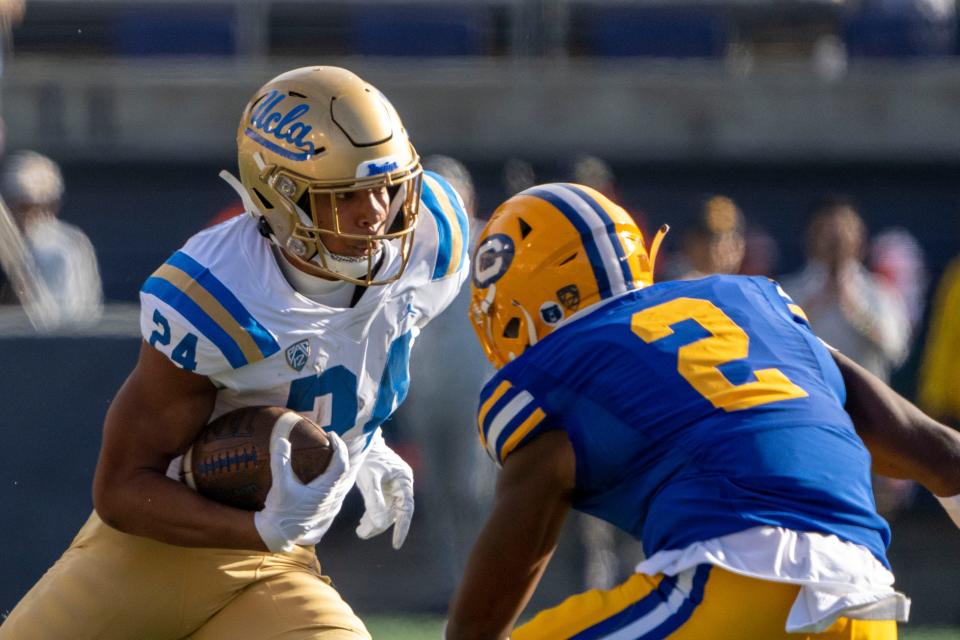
point(586, 236)
point(611, 228)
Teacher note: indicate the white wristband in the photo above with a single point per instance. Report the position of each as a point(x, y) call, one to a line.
point(952, 506)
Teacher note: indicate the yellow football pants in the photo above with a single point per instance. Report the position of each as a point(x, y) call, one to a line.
point(110, 585)
point(706, 603)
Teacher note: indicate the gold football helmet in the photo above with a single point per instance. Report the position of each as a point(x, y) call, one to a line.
point(545, 254)
point(309, 138)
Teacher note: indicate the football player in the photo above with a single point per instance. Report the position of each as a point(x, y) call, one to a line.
point(703, 417)
point(313, 302)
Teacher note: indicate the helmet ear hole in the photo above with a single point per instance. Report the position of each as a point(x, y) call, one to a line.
point(525, 228)
point(304, 202)
point(263, 200)
point(512, 328)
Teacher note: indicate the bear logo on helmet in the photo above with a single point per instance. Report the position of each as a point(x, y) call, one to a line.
point(551, 313)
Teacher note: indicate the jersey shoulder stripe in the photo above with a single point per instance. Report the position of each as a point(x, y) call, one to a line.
point(507, 416)
point(604, 249)
point(452, 227)
point(204, 301)
point(795, 309)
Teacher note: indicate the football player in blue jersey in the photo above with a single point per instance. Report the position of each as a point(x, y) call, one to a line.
point(311, 302)
point(703, 417)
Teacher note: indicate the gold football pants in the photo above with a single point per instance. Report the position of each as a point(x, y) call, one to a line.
point(706, 603)
point(112, 585)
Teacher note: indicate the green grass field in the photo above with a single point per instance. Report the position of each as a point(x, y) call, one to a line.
point(429, 628)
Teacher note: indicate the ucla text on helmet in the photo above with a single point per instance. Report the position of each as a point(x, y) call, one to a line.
point(267, 119)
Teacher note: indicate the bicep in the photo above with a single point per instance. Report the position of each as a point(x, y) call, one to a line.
point(903, 441)
point(155, 415)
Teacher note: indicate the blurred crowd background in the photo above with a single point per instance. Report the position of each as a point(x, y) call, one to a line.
point(813, 141)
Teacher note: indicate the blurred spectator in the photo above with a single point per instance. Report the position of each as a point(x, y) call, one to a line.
point(939, 379)
point(63, 257)
point(896, 256)
point(517, 175)
point(715, 242)
point(760, 253)
point(459, 178)
point(595, 173)
point(11, 14)
point(853, 310)
point(447, 371)
point(850, 308)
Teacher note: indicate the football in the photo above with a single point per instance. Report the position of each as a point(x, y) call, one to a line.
point(230, 459)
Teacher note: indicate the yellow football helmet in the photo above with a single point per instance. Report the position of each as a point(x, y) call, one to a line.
point(545, 254)
point(308, 137)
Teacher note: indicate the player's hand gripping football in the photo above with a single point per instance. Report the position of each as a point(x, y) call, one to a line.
point(294, 509)
point(386, 482)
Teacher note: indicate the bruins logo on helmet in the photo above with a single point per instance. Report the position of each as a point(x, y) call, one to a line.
point(309, 138)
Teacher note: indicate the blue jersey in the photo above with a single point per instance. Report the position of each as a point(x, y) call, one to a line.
point(695, 409)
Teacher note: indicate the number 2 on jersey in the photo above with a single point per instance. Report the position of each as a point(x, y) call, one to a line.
point(698, 362)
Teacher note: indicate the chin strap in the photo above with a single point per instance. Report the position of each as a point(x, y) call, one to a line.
point(263, 226)
point(349, 266)
point(528, 320)
point(237, 186)
point(257, 213)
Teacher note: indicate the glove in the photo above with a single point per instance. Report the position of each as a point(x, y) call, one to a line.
point(386, 482)
point(293, 509)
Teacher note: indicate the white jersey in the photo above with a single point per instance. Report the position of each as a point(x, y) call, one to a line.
point(222, 308)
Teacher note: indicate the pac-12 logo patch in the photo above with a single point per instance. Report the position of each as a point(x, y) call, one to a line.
point(551, 313)
point(298, 353)
point(492, 260)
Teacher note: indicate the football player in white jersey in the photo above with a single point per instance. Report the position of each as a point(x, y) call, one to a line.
point(312, 302)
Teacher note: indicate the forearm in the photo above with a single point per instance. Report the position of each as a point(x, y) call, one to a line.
point(504, 569)
point(903, 441)
point(149, 504)
point(155, 416)
point(516, 544)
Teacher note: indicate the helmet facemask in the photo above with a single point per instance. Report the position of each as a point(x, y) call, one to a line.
point(307, 138)
point(318, 216)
